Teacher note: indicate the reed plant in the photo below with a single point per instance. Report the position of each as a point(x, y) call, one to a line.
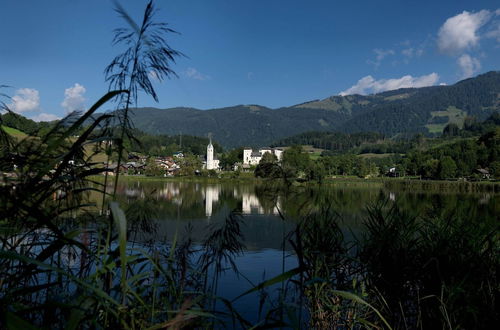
point(435, 270)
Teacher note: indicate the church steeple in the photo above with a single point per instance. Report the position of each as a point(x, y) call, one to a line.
point(210, 154)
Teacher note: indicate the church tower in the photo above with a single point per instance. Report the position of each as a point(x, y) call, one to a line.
point(210, 156)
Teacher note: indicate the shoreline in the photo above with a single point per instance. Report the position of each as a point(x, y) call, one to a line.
point(405, 184)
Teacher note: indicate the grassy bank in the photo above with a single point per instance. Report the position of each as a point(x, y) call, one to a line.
point(443, 186)
point(401, 184)
point(242, 177)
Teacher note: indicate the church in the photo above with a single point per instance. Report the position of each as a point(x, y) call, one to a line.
point(212, 161)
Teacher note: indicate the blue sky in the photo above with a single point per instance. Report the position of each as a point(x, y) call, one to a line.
point(272, 53)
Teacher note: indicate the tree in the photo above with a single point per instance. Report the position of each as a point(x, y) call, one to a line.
point(268, 167)
point(495, 169)
point(451, 130)
point(228, 159)
point(362, 168)
point(346, 164)
point(189, 164)
point(268, 170)
point(268, 157)
point(430, 168)
point(295, 161)
point(447, 168)
point(152, 169)
point(316, 172)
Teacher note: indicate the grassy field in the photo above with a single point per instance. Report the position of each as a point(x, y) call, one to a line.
point(372, 155)
point(314, 153)
point(14, 132)
point(455, 116)
point(99, 157)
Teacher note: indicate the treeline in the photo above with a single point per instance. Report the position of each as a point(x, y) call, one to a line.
point(472, 152)
point(472, 126)
point(296, 164)
point(334, 141)
point(464, 158)
point(144, 143)
point(166, 145)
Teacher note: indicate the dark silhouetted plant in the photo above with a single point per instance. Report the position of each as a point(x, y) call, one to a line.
point(147, 56)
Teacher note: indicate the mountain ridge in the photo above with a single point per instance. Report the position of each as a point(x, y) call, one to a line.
point(404, 111)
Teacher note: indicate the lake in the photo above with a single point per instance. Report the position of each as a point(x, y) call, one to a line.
point(268, 213)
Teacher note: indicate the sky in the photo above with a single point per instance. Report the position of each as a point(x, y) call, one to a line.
point(273, 53)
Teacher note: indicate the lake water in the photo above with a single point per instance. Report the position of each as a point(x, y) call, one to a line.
point(268, 213)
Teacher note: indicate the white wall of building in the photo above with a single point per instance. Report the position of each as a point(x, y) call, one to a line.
point(250, 158)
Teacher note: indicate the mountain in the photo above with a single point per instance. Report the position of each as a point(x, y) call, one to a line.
point(410, 110)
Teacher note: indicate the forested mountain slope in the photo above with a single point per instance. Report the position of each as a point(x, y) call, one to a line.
point(405, 111)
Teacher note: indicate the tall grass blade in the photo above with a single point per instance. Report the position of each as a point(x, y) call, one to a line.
point(121, 226)
point(277, 279)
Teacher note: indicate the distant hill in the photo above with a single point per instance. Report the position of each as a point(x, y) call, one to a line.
point(24, 125)
point(404, 111)
point(238, 125)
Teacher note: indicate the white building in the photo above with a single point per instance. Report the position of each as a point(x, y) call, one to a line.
point(212, 161)
point(253, 157)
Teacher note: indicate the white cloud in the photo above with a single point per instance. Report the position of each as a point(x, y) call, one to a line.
point(494, 32)
point(380, 55)
point(469, 65)
point(25, 100)
point(412, 52)
point(73, 98)
point(459, 33)
point(195, 74)
point(368, 84)
point(408, 52)
point(45, 117)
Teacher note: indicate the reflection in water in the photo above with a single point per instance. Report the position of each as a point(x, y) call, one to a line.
point(181, 203)
point(211, 197)
point(188, 211)
point(252, 205)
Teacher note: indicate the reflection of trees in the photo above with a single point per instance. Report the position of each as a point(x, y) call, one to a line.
point(269, 196)
point(187, 200)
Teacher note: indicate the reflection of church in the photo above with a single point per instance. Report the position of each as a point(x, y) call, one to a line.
point(211, 197)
